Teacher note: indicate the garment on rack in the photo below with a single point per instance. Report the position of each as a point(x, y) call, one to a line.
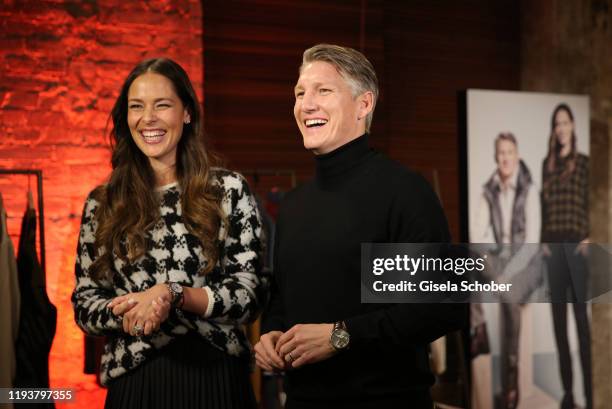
point(275, 196)
point(38, 315)
point(9, 304)
point(94, 349)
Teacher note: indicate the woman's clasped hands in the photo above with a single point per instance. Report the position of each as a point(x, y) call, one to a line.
point(142, 312)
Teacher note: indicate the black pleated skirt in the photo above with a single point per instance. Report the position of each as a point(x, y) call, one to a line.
point(189, 373)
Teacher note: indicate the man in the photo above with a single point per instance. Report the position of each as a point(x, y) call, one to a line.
point(338, 352)
point(509, 216)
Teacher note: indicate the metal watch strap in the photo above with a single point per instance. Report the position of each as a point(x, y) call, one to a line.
point(340, 325)
point(177, 298)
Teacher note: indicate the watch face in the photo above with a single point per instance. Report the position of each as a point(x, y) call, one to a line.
point(340, 339)
point(176, 288)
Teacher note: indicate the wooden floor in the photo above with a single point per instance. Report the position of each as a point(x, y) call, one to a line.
point(442, 406)
point(536, 399)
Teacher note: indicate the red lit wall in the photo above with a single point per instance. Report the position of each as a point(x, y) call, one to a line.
point(61, 66)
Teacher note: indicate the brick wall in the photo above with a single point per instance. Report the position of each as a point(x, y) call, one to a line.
point(565, 47)
point(62, 65)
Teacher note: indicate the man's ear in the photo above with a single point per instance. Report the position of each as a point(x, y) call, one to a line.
point(366, 104)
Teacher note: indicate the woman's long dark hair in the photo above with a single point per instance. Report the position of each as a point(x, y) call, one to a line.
point(129, 205)
point(554, 147)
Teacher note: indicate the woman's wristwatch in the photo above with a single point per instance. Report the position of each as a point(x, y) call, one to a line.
point(176, 292)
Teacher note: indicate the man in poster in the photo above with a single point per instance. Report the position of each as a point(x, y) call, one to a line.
point(338, 352)
point(509, 216)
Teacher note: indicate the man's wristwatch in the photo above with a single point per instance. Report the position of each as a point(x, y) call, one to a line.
point(340, 337)
point(176, 292)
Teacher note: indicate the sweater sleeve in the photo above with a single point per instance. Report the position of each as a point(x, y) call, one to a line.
point(238, 290)
point(415, 217)
point(90, 297)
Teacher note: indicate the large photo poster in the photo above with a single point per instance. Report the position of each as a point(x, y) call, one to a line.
point(527, 158)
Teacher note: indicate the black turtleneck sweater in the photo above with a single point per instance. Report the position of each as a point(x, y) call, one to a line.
point(358, 196)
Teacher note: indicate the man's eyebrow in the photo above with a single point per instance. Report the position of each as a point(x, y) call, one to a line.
point(314, 84)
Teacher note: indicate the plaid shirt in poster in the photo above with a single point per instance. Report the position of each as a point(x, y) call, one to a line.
point(565, 202)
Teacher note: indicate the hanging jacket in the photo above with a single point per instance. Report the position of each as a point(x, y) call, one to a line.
point(9, 305)
point(38, 315)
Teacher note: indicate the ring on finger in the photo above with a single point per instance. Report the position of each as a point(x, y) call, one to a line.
point(291, 359)
point(138, 330)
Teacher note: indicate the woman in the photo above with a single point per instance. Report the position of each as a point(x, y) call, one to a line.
point(565, 207)
point(168, 260)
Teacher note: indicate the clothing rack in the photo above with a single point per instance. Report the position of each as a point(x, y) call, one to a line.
point(41, 211)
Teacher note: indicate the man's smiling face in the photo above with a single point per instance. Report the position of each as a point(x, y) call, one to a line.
point(325, 109)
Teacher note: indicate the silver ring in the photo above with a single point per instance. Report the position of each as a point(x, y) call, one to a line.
point(138, 330)
point(290, 357)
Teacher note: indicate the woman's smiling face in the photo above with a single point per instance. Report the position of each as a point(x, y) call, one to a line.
point(155, 117)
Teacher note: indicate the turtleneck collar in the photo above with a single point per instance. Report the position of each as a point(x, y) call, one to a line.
point(342, 159)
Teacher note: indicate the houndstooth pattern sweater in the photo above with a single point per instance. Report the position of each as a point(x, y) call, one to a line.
point(236, 288)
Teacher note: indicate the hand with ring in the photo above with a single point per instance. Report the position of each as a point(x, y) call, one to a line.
point(138, 330)
point(160, 310)
point(305, 344)
point(142, 313)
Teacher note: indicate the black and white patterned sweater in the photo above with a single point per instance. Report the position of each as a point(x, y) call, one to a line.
point(236, 288)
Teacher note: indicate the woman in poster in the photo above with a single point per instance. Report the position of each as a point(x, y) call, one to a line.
point(565, 207)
